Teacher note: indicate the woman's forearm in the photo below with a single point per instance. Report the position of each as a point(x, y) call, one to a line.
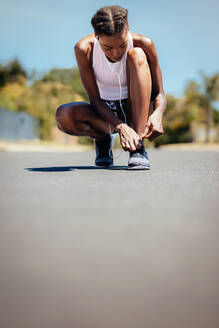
point(160, 103)
point(106, 113)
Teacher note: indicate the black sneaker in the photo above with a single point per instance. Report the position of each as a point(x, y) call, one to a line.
point(104, 153)
point(138, 159)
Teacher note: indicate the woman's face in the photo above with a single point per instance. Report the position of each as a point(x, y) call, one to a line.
point(114, 46)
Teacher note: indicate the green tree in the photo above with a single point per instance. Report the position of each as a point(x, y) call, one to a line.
point(11, 72)
point(70, 77)
point(40, 100)
point(200, 98)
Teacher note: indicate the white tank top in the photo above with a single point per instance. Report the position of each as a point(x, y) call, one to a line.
point(110, 77)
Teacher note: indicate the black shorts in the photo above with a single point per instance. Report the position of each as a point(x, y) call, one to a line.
point(118, 112)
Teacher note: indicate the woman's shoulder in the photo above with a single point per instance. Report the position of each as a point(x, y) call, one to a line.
point(86, 41)
point(86, 44)
point(139, 40)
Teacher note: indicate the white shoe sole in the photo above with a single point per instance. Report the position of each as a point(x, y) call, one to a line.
point(139, 167)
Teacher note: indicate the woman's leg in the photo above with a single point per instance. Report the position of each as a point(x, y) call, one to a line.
point(139, 89)
point(80, 119)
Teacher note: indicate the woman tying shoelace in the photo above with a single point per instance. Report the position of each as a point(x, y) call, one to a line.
point(122, 77)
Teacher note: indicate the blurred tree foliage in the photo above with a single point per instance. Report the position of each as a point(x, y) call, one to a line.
point(60, 86)
point(11, 72)
point(70, 77)
point(41, 99)
point(203, 96)
point(197, 106)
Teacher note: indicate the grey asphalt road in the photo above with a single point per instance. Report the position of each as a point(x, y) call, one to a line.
point(82, 247)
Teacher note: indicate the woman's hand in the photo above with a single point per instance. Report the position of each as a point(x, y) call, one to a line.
point(154, 127)
point(129, 139)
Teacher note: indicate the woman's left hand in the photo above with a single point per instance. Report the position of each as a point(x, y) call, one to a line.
point(154, 126)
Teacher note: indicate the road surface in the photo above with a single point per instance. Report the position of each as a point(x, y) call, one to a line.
point(84, 247)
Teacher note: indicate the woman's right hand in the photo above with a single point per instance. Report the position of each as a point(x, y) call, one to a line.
point(129, 139)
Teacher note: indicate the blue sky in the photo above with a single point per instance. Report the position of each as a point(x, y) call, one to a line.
point(42, 34)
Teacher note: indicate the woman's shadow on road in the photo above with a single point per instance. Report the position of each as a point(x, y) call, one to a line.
point(73, 168)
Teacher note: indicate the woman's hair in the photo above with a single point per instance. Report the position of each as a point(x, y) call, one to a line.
point(110, 20)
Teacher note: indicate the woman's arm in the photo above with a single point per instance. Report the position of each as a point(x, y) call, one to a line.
point(157, 84)
point(154, 126)
point(82, 54)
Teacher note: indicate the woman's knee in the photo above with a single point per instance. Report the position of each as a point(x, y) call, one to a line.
point(68, 115)
point(65, 117)
point(60, 117)
point(136, 56)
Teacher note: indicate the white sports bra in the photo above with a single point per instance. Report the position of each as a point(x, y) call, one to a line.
point(110, 77)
